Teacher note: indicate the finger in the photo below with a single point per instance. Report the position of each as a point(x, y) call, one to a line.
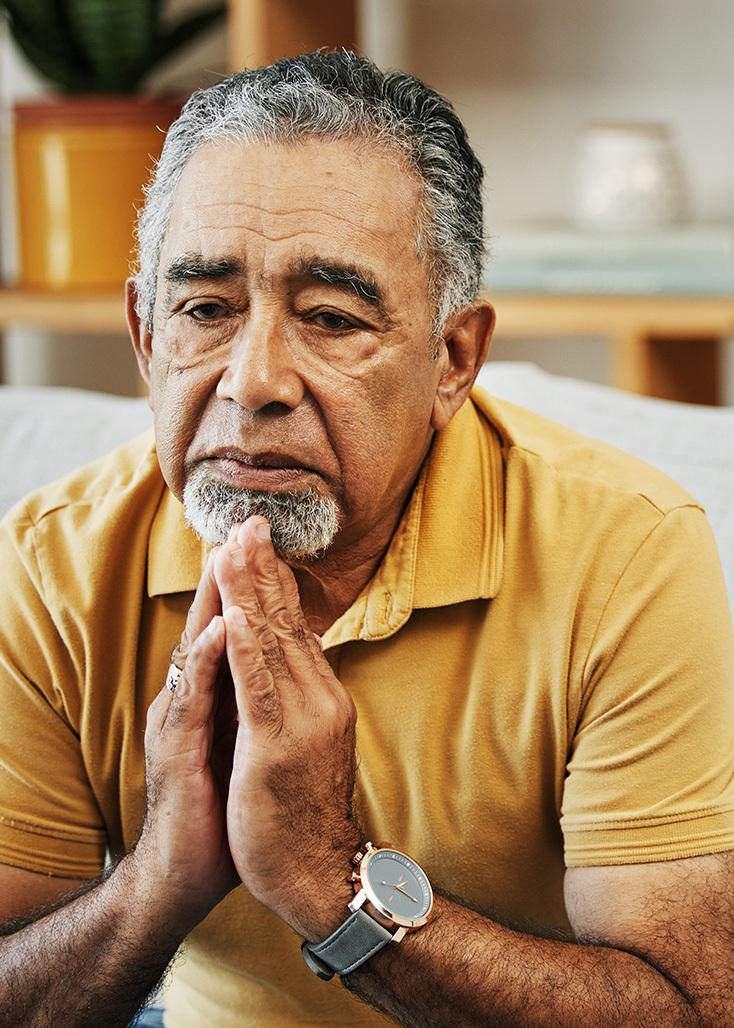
point(157, 711)
point(286, 621)
point(278, 596)
point(293, 602)
point(206, 605)
point(234, 579)
point(193, 702)
point(256, 691)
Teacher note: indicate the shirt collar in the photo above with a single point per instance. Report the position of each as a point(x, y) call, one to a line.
point(448, 547)
point(176, 555)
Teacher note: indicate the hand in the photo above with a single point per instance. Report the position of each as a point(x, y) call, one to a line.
point(289, 815)
point(189, 742)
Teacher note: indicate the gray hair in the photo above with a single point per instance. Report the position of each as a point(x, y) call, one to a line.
point(337, 95)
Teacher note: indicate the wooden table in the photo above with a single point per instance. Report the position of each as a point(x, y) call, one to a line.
point(666, 346)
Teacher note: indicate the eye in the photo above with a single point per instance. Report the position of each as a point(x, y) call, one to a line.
point(333, 322)
point(203, 312)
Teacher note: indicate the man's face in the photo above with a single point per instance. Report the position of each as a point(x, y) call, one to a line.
point(291, 346)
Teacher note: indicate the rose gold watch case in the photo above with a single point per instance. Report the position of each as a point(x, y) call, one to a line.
point(366, 894)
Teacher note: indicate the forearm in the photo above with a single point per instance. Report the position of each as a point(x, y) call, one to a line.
point(92, 961)
point(463, 969)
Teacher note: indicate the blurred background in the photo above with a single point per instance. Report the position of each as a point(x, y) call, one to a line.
point(606, 128)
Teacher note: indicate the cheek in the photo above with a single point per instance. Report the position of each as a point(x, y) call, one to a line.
point(380, 427)
point(179, 401)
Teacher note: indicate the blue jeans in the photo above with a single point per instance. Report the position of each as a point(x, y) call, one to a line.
point(151, 1017)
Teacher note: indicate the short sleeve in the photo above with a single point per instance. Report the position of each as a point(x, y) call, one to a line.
point(49, 819)
point(650, 774)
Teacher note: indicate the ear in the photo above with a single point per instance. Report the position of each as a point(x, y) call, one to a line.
point(463, 351)
point(142, 338)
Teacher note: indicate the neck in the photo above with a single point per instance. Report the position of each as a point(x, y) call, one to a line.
point(330, 586)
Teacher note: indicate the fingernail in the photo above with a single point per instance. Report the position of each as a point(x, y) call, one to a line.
point(262, 530)
point(233, 532)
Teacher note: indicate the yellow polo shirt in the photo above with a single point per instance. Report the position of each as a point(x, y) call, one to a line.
point(542, 668)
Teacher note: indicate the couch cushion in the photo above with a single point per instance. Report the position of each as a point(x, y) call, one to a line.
point(692, 444)
point(46, 432)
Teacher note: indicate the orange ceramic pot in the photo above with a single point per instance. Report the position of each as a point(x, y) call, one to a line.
point(81, 163)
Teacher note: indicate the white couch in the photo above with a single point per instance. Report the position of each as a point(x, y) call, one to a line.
point(47, 432)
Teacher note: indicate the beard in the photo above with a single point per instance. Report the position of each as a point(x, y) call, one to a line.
point(303, 523)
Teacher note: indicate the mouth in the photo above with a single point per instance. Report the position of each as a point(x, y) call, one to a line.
point(260, 470)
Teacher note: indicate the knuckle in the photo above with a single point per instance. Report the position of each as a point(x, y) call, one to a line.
point(260, 679)
point(280, 622)
point(301, 635)
point(197, 649)
point(268, 640)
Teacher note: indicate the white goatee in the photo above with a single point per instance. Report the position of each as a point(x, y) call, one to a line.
point(302, 523)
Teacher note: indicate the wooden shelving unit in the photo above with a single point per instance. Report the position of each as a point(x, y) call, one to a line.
point(665, 346)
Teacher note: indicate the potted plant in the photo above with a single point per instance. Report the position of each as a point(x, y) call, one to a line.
point(81, 156)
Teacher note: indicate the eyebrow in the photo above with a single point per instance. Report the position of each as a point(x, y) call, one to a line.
point(347, 277)
point(195, 267)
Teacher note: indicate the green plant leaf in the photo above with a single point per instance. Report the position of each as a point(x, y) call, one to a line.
point(42, 32)
point(100, 45)
point(177, 36)
point(117, 38)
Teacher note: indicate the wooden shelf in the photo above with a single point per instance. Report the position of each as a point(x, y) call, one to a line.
point(566, 314)
point(665, 346)
point(77, 313)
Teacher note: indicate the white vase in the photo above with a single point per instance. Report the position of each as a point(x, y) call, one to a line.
point(628, 176)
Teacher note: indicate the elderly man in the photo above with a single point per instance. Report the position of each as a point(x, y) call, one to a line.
point(404, 613)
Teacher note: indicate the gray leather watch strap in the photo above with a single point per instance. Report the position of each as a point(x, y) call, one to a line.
point(354, 941)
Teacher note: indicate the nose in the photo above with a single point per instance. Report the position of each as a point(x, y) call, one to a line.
point(261, 370)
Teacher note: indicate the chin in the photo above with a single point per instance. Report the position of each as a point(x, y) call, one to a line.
point(303, 523)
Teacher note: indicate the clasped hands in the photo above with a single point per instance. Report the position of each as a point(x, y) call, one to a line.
point(250, 763)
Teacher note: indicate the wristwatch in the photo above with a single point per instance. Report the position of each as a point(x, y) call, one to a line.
point(392, 896)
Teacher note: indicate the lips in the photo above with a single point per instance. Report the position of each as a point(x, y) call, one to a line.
point(261, 470)
point(263, 459)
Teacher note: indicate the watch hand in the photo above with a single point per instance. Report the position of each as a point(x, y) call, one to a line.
point(405, 893)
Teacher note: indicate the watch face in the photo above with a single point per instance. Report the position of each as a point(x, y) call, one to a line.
point(397, 886)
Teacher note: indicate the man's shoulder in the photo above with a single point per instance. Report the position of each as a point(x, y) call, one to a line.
point(535, 446)
point(106, 483)
point(81, 514)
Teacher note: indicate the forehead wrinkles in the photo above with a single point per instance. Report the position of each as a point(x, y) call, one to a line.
point(276, 225)
point(238, 191)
